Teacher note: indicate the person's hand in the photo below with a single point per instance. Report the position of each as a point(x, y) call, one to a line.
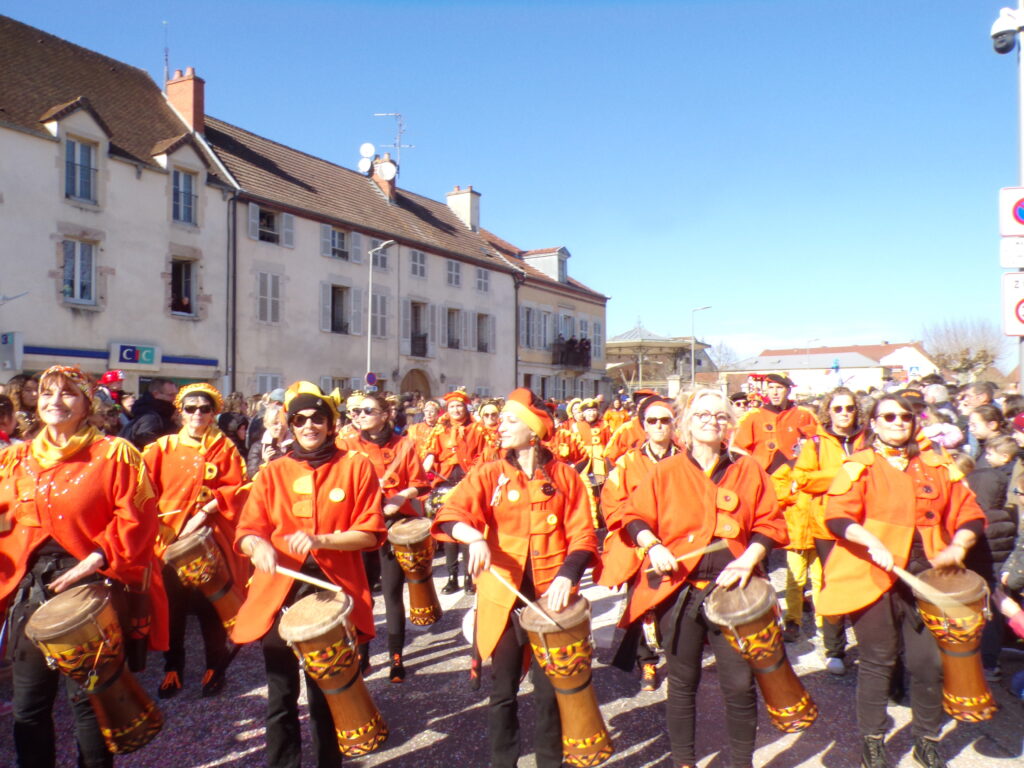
point(662, 559)
point(558, 593)
point(881, 556)
point(479, 557)
point(301, 542)
point(267, 452)
point(393, 505)
point(85, 567)
point(736, 572)
point(1006, 604)
point(263, 555)
point(193, 524)
point(950, 557)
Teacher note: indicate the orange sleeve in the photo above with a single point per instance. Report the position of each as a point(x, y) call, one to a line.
point(127, 540)
point(743, 437)
point(467, 503)
point(963, 507)
point(847, 497)
point(368, 502)
point(255, 519)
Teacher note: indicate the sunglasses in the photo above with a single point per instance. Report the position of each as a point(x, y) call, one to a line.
point(364, 411)
point(844, 409)
point(204, 409)
point(489, 415)
point(663, 420)
point(890, 417)
point(317, 420)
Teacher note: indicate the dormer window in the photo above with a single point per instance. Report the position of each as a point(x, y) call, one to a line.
point(80, 170)
point(563, 271)
point(184, 207)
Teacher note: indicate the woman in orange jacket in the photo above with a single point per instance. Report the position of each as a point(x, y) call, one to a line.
point(313, 509)
point(527, 518)
point(489, 414)
point(396, 463)
point(894, 505)
point(78, 507)
point(690, 501)
point(198, 476)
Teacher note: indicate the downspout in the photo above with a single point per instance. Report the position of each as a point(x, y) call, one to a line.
point(231, 309)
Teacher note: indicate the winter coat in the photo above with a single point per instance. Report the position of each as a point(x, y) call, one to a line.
point(989, 554)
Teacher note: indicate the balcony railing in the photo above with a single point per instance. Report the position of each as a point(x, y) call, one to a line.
point(571, 353)
point(418, 345)
point(339, 326)
point(185, 207)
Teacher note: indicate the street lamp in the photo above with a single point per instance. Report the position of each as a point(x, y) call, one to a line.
point(693, 334)
point(369, 299)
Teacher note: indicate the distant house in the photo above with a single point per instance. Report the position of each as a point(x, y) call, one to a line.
point(641, 358)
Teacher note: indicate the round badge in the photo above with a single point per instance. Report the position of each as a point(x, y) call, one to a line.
point(336, 495)
point(513, 495)
point(552, 519)
point(548, 489)
point(210, 471)
point(769, 427)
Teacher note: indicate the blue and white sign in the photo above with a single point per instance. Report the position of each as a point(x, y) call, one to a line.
point(144, 357)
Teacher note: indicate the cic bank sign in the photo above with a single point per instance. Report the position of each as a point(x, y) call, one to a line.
point(135, 356)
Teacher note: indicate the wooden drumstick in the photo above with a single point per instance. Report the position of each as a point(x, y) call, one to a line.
point(713, 547)
point(931, 594)
point(308, 579)
point(525, 599)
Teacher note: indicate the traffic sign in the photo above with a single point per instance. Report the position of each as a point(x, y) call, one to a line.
point(371, 388)
point(1011, 211)
point(1011, 252)
point(1013, 303)
point(371, 378)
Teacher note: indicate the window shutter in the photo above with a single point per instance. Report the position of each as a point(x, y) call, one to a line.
point(405, 344)
point(254, 221)
point(492, 323)
point(356, 248)
point(535, 319)
point(325, 239)
point(355, 320)
point(431, 330)
point(355, 383)
point(468, 328)
point(385, 315)
point(442, 326)
point(287, 230)
point(326, 384)
point(523, 330)
point(325, 306)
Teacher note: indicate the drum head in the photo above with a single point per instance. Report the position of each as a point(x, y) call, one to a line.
point(195, 540)
point(738, 605)
point(67, 611)
point(960, 585)
point(314, 616)
point(576, 612)
point(409, 531)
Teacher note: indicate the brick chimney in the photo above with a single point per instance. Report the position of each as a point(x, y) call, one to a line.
point(387, 186)
point(465, 203)
point(187, 94)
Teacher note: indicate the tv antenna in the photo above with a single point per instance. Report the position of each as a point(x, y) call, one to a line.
point(167, 56)
point(398, 146)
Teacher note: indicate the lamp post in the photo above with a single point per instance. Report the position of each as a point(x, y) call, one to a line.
point(369, 299)
point(693, 338)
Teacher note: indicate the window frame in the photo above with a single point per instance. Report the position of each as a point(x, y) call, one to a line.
point(483, 280)
point(192, 280)
point(77, 246)
point(72, 160)
point(275, 217)
point(178, 209)
point(454, 274)
point(418, 264)
point(338, 250)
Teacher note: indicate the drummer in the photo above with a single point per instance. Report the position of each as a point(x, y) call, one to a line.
point(198, 476)
point(80, 509)
point(314, 509)
point(527, 516)
point(691, 500)
point(398, 468)
point(893, 504)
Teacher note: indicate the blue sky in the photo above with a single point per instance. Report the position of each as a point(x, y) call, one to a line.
point(811, 170)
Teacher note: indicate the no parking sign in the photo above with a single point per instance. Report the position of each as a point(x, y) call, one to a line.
point(1013, 303)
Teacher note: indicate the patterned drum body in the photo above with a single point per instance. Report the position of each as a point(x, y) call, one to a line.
point(79, 634)
point(749, 619)
point(319, 632)
point(414, 549)
point(565, 653)
point(436, 499)
point(957, 630)
point(199, 563)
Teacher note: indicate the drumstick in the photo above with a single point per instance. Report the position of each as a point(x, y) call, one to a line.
point(168, 514)
point(931, 594)
point(713, 547)
point(308, 579)
point(525, 599)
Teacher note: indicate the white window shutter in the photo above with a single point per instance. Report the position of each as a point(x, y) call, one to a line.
point(254, 221)
point(325, 239)
point(535, 318)
point(405, 343)
point(492, 323)
point(355, 383)
point(467, 329)
point(356, 248)
point(431, 330)
point(442, 326)
point(355, 321)
point(326, 384)
point(385, 314)
point(288, 230)
point(325, 306)
point(523, 330)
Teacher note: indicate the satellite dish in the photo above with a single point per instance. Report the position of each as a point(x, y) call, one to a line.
point(366, 149)
point(364, 164)
point(387, 170)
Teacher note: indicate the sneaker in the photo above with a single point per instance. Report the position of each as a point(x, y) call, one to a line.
point(649, 677)
point(791, 633)
point(873, 753)
point(993, 674)
point(171, 686)
point(926, 753)
point(213, 682)
point(835, 666)
point(397, 674)
point(451, 587)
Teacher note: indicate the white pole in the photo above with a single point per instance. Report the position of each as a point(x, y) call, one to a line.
point(1020, 138)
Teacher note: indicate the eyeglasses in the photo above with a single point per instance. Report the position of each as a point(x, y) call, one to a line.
point(489, 415)
point(844, 409)
point(364, 411)
point(890, 417)
point(663, 420)
point(705, 416)
point(317, 419)
point(204, 409)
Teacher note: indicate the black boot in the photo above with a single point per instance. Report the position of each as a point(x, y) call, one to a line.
point(469, 585)
point(873, 753)
point(451, 587)
point(926, 753)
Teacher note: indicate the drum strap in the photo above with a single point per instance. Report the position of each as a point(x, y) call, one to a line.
point(417, 581)
point(344, 687)
point(113, 679)
point(228, 586)
point(570, 691)
point(768, 670)
point(960, 654)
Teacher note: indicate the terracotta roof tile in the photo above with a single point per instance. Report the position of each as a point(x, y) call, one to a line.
point(873, 351)
point(516, 255)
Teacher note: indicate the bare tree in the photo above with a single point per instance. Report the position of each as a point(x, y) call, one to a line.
point(965, 346)
point(723, 356)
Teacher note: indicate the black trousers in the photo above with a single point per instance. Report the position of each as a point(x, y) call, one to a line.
point(503, 709)
point(879, 628)
point(833, 629)
point(451, 558)
point(35, 689)
point(684, 629)
point(392, 579)
point(181, 601)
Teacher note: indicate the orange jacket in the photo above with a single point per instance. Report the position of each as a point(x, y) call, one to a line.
point(818, 463)
point(929, 497)
point(98, 498)
point(763, 433)
point(615, 418)
point(627, 437)
point(566, 446)
point(454, 445)
point(594, 439)
point(396, 464)
point(521, 524)
point(288, 496)
point(686, 510)
point(418, 433)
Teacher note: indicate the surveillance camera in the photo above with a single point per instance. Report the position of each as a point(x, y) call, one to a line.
point(1004, 31)
point(1004, 42)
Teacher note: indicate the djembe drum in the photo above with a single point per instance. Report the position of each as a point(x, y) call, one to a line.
point(79, 634)
point(199, 563)
point(561, 642)
point(957, 629)
point(749, 618)
point(318, 630)
point(414, 550)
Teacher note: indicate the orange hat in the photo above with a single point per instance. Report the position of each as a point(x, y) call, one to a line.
point(458, 394)
point(529, 409)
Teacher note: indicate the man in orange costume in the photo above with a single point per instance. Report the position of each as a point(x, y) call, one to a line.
point(772, 434)
point(198, 476)
point(594, 435)
point(631, 434)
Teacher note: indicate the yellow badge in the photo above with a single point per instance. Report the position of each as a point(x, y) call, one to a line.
point(211, 471)
point(513, 495)
point(303, 485)
point(336, 495)
point(552, 519)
